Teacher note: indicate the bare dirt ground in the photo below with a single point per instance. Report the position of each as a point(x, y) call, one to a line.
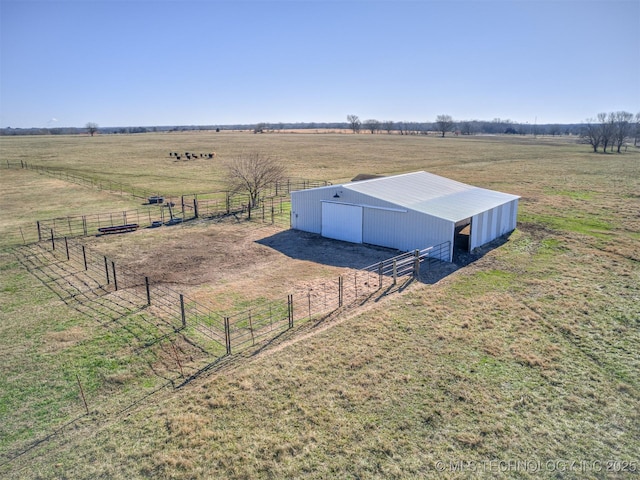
point(229, 261)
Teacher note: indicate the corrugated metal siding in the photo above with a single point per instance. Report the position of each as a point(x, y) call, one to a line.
point(493, 223)
point(404, 231)
point(424, 209)
point(306, 209)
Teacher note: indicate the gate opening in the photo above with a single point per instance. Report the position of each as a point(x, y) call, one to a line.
point(462, 236)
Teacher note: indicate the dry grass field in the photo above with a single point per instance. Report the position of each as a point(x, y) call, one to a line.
point(521, 364)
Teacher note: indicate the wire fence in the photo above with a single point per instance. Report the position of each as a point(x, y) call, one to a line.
point(273, 206)
point(179, 339)
point(74, 177)
point(225, 332)
point(107, 290)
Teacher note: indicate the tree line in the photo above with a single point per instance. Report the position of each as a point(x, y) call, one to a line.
point(608, 131)
point(611, 130)
point(445, 124)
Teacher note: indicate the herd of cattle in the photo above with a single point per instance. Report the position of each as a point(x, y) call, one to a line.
point(190, 155)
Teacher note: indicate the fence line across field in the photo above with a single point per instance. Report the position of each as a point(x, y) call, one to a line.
point(272, 207)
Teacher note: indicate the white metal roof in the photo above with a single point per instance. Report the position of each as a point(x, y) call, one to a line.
point(432, 194)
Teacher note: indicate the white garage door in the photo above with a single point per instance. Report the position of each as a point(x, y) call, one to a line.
point(342, 222)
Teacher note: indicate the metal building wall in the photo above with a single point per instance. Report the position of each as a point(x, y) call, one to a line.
point(306, 208)
point(383, 223)
point(387, 224)
point(406, 230)
point(493, 223)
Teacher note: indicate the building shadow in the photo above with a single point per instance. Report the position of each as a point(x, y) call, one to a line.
point(315, 248)
point(312, 247)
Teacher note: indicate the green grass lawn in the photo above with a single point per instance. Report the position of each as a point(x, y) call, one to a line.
point(529, 354)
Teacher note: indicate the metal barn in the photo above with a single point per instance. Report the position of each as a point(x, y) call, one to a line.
point(406, 212)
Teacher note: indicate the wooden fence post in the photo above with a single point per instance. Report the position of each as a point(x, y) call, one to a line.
point(416, 264)
point(340, 292)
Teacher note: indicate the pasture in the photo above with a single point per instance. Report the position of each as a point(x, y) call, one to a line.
point(530, 353)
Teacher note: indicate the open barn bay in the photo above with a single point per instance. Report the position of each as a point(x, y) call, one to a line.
point(523, 363)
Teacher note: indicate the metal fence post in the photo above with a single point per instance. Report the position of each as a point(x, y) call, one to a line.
point(182, 313)
point(66, 246)
point(416, 264)
point(84, 257)
point(146, 282)
point(53, 242)
point(106, 269)
point(115, 279)
point(395, 272)
point(290, 309)
point(227, 335)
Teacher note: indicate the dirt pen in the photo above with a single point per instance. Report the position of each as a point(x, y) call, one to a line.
point(232, 287)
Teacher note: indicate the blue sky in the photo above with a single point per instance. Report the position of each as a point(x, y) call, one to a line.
point(198, 62)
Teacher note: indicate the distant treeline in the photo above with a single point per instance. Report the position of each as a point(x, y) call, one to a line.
point(472, 127)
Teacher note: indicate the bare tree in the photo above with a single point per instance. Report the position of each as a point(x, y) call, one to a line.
point(591, 134)
point(260, 127)
point(387, 125)
point(466, 128)
point(607, 129)
point(372, 125)
point(253, 173)
point(354, 123)
point(92, 128)
point(637, 132)
point(623, 128)
point(444, 124)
